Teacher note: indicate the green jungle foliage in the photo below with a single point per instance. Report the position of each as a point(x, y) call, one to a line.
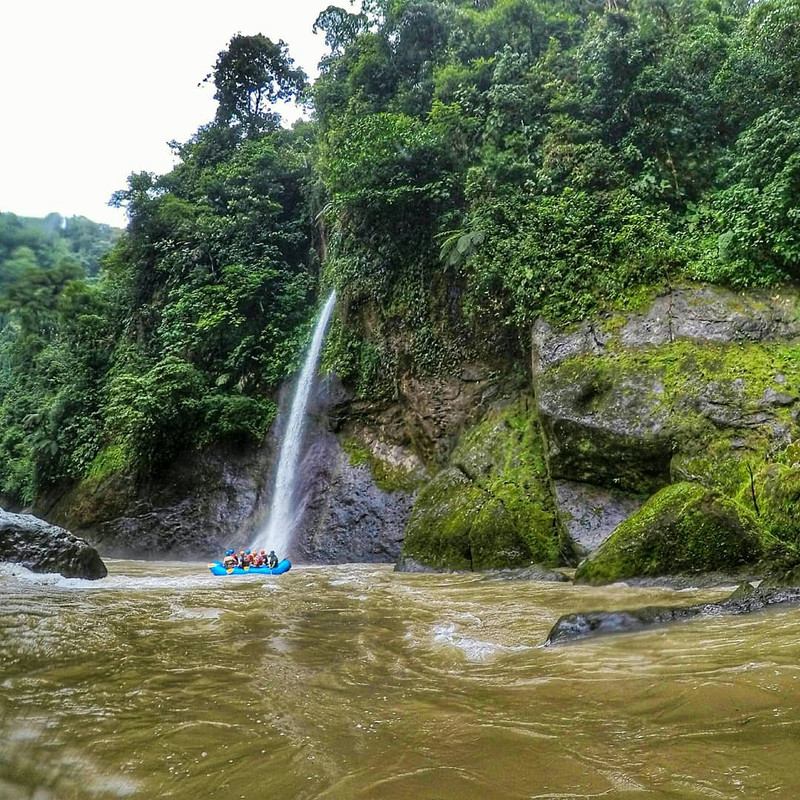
point(469, 166)
point(489, 162)
point(28, 243)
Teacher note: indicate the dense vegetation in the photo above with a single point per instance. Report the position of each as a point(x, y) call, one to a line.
point(468, 167)
point(531, 158)
point(28, 244)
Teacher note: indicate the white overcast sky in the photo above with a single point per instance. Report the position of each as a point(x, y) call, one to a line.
point(91, 90)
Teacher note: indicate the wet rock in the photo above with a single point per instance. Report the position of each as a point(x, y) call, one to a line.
point(347, 516)
point(744, 600)
point(772, 397)
point(581, 625)
point(41, 547)
point(777, 491)
point(551, 347)
point(438, 532)
point(704, 580)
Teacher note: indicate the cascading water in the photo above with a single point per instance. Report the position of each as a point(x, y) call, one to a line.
point(277, 534)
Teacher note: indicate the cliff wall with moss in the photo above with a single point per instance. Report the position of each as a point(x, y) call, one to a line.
point(700, 384)
point(496, 467)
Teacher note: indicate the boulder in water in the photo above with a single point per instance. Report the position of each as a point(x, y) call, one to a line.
point(41, 547)
point(684, 528)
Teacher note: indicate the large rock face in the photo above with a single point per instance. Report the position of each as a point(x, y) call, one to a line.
point(202, 502)
point(41, 547)
point(685, 528)
point(703, 386)
point(617, 407)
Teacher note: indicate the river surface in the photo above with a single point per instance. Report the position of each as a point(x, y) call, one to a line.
point(162, 681)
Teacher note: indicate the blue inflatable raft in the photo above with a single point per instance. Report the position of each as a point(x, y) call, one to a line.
point(283, 566)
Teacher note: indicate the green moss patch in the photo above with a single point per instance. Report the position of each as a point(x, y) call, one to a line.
point(684, 528)
point(387, 477)
point(777, 496)
point(493, 507)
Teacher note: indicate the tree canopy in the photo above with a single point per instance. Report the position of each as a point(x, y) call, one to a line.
point(250, 76)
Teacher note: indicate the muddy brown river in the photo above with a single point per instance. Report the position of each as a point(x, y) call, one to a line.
point(162, 681)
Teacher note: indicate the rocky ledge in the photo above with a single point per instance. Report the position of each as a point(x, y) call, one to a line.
point(41, 547)
point(744, 600)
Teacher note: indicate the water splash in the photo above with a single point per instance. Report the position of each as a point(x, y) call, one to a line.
point(277, 534)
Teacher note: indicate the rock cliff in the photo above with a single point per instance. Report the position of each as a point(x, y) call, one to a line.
point(482, 469)
point(702, 385)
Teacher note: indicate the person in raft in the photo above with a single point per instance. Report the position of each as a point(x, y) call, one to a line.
point(230, 560)
point(272, 560)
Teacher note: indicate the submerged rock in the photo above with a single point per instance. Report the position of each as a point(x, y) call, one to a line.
point(685, 528)
point(588, 623)
point(535, 572)
point(744, 600)
point(41, 547)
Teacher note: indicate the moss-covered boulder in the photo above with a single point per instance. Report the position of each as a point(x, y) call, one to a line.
point(775, 492)
point(438, 533)
point(684, 528)
point(493, 507)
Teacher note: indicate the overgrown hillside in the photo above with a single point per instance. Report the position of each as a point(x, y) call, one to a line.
point(488, 163)
point(469, 167)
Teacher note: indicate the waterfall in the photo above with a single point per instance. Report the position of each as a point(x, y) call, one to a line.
point(277, 534)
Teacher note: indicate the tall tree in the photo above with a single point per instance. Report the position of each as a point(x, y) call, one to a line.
point(252, 74)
